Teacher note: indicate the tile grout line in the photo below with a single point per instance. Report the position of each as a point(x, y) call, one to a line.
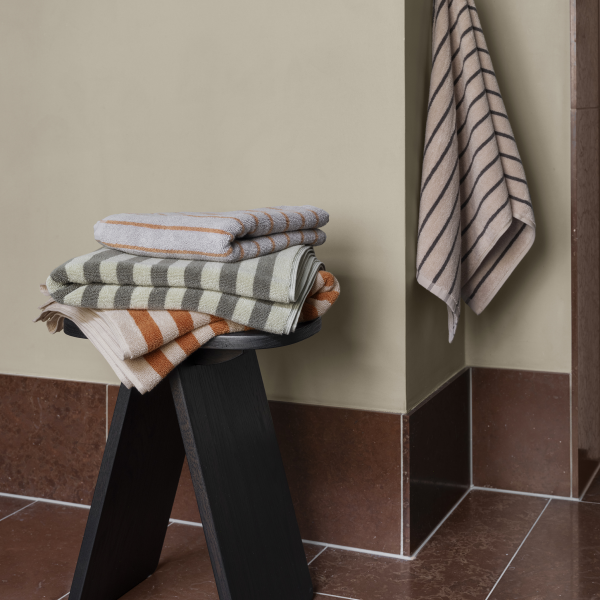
point(106, 408)
point(62, 597)
point(359, 550)
point(18, 511)
point(49, 501)
point(317, 556)
point(589, 483)
point(401, 485)
point(332, 596)
point(428, 538)
point(519, 548)
point(471, 423)
point(532, 494)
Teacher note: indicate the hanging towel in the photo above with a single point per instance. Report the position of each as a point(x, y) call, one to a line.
point(144, 346)
point(219, 237)
point(476, 219)
point(264, 293)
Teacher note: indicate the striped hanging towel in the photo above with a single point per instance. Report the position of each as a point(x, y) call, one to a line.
point(476, 219)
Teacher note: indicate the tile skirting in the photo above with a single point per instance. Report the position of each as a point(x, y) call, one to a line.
point(372, 481)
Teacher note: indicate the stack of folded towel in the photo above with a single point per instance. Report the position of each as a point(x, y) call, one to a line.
point(164, 284)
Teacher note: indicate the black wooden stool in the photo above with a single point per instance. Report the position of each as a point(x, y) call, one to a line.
point(212, 408)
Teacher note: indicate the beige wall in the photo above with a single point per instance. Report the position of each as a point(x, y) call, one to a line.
point(528, 324)
point(430, 359)
point(146, 105)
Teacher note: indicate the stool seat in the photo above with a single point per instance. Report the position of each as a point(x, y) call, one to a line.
point(241, 340)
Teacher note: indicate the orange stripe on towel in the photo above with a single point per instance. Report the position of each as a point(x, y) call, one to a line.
point(148, 328)
point(160, 363)
point(188, 343)
point(183, 320)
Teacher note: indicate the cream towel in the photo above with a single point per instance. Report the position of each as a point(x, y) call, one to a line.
point(144, 346)
point(476, 219)
point(219, 237)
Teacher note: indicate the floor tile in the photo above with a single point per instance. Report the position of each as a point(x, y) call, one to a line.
point(38, 551)
point(560, 558)
point(9, 505)
point(184, 570)
point(461, 562)
point(312, 550)
point(593, 493)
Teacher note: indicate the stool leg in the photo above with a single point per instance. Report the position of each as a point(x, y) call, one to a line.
point(242, 492)
point(134, 495)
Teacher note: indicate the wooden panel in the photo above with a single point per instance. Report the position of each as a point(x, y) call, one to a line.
point(587, 238)
point(246, 508)
point(584, 57)
point(133, 498)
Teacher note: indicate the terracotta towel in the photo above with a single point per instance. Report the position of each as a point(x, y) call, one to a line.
point(265, 293)
point(144, 346)
point(476, 220)
point(219, 237)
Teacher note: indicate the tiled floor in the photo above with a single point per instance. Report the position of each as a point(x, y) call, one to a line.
point(494, 546)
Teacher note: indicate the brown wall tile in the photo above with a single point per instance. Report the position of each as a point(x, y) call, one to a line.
point(52, 437)
point(521, 431)
point(437, 460)
point(343, 468)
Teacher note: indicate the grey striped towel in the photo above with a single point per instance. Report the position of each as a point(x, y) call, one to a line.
point(220, 237)
point(265, 293)
point(476, 219)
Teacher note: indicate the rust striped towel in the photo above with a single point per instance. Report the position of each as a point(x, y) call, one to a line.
point(144, 346)
point(220, 237)
point(476, 220)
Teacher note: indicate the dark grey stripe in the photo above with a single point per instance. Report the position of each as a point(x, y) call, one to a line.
point(60, 275)
point(159, 273)
point(228, 279)
point(482, 280)
point(91, 267)
point(60, 294)
point(191, 299)
point(125, 269)
point(156, 299)
point(123, 297)
point(259, 315)
point(262, 279)
point(226, 306)
point(193, 274)
point(91, 292)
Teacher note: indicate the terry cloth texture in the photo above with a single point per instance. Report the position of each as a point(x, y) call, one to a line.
point(264, 293)
point(220, 237)
point(144, 346)
point(476, 220)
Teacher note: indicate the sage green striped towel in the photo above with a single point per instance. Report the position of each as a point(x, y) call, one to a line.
point(265, 293)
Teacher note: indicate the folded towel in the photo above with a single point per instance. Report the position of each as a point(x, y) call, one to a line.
point(476, 220)
point(264, 293)
point(144, 346)
point(219, 237)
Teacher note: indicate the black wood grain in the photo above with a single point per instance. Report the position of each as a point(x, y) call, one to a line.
point(134, 495)
point(243, 496)
point(243, 340)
